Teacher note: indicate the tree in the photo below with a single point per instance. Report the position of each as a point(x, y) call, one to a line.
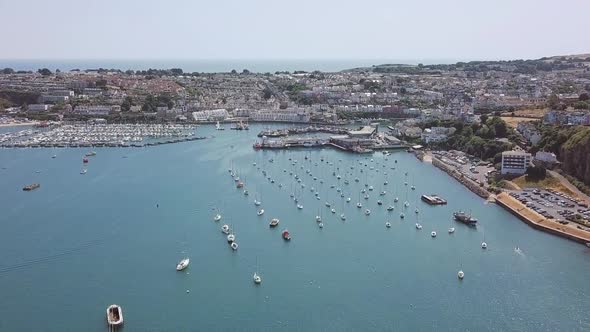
point(584, 96)
point(245, 72)
point(581, 105)
point(129, 72)
point(233, 71)
point(7, 71)
point(483, 118)
point(536, 173)
point(176, 71)
point(44, 72)
point(126, 104)
point(553, 101)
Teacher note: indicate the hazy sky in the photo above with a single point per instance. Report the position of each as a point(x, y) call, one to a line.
point(295, 29)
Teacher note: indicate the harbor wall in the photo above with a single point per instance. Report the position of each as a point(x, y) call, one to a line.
point(474, 187)
point(539, 222)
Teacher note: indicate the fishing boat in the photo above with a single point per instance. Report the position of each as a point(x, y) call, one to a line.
point(274, 222)
point(464, 218)
point(286, 236)
point(31, 187)
point(183, 264)
point(114, 315)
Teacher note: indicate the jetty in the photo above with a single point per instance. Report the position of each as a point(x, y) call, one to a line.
point(305, 130)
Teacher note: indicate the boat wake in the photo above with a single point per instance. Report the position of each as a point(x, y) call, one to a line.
point(51, 258)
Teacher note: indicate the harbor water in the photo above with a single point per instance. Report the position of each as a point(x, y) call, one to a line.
point(115, 234)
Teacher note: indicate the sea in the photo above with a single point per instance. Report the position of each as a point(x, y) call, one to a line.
point(210, 66)
point(114, 236)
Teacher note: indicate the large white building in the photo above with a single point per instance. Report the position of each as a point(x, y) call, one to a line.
point(278, 116)
point(211, 115)
point(515, 162)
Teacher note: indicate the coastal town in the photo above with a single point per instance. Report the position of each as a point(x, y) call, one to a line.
point(491, 124)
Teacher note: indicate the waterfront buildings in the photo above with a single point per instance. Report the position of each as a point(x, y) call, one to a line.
point(211, 115)
point(515, 162)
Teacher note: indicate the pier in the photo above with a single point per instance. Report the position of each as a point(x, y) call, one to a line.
point(299, 131)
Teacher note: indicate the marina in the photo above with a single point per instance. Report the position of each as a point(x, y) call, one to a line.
point(162, 205)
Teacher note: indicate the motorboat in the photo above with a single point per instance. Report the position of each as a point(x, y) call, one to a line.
point(451, 230)
point(257, 203)
point(484, 245)
point(460, 274)
point(183, 264)
point(83, 171)
point(114, 315)
point(274, 222)
point(359, 205)
point(321, 225)
point(342, 216)
point(390, 208)
point(333, 210)
point(388, 224)
point(234, 245)
point(418, 226)
point(300, 206)
point(318, 219)
point(217, 217)
point(433, 234)
point(260, 212)
point(367, 212)
point(348, 200)
point(257, 279)
point(379, 202)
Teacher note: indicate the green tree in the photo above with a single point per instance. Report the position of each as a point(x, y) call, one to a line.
point(7, 71)
point(44, 72)
point(583, 96)
point(126, 104)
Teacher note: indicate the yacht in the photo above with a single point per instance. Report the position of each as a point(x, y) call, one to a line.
point(321, 225)
point(231, 238)
point(390, 208)
point(451, 230)
point(460, 274)
point(257, 279)
point(225, 229)
point(234, 245)
point(183, 264)
point(274, 222)
point(367, 212)
point(433, 234)
point(83, 171)
point(359, 205)
point(260, 212)
point(388, 224)
point(418, 226)
point(114, 315)
point(342, 217)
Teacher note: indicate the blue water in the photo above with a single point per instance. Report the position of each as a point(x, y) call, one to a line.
point(82, 242)
point(209, 66)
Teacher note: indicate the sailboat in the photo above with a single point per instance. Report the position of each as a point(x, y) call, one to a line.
point(257, 278)
point(218, 126)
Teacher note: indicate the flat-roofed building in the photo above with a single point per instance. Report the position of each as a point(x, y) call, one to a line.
point(515, 162)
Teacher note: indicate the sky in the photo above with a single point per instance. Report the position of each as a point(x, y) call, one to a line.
point(296, 29)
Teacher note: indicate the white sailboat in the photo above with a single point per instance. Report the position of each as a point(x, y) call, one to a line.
point(183, 264)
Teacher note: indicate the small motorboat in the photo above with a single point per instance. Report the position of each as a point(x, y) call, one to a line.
point(388, 224)
point(327, 204)
point(183, 264)
point(460, 274)
point(274, 222)
point(348, 200)
point(260, 212)
point(217, 217)
point(379, 202)
point(333, 210)
point(402, 215)
point(359, 205)
point(234, 245)
point(83, 171)
point(318, 219)
point(484, 245)
point(390, 208)
point(451, 230)
point(367, 212)
point(85, 160)
point(418, 226)
point(257, 279)
point(257, 203)
point(370, 188)
point(342, 217)
point(225, 229)
point(286, 236)
point(433, 234)
point(321, 225)
point(299, 206)
point(114, 315)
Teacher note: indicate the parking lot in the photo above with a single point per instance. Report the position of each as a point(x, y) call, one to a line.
point(555, 205)
point(471, 167)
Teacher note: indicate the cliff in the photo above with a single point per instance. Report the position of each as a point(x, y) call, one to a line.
point(575, 155)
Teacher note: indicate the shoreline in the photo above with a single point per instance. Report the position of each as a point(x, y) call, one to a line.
point(539, 222)
point(19, 124)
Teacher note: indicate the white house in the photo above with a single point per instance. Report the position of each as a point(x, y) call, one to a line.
point(515, 162)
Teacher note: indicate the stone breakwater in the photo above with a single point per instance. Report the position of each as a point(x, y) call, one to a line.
point(471, 185)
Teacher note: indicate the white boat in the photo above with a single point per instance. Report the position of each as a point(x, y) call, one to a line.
point(217, 217)
point(257, 203)
point(83, 171)
point(182, 264)
point(234, 245)
point(406, 204)
point(342, 216)
point(396, 199)
point(300, 206)
point(348, 200)
point(367, 212)
point(225, 229)
point(390, 208)
point(418, 226)
point(114, 315)
point(231, 238)
point(460, 274)
point(484, 245)
point(260, 212)
point(359, 205)
point(318, 219)
point(257, 279)
point(402, 215)
point(433, 234)
point(321, 225)
point(388, 224)
point(451, 230)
